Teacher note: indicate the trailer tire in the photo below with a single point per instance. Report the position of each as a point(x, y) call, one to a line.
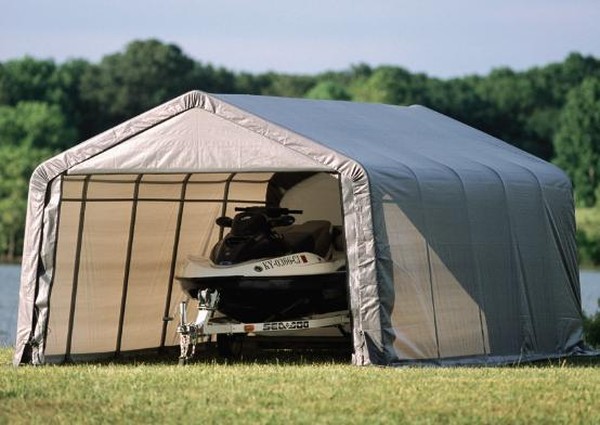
point(230, 346)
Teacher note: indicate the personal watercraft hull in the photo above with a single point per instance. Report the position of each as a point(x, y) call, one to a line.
point(263, 299)
point(266, 292)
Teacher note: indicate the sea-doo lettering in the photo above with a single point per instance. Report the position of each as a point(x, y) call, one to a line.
point(285, 326)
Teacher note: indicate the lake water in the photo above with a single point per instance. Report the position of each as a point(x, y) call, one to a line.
point(9, 296)
point(9, 302)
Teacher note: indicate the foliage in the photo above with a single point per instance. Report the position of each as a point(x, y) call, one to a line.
point(304, 392)
point(287, 85)
point(588, 235)
point(31, 80)
point(28, 79)
point(29, 133)
point(514, 102)
point(589, 249)
point(328, 90)
point(125, 84)
point(393, 85)
point(577, 141)
point(34, 125)
point(17, 165)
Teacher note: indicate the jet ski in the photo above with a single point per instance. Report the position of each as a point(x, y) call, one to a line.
point(267, 268)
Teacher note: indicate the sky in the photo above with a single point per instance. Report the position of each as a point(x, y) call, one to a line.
point(441, 38)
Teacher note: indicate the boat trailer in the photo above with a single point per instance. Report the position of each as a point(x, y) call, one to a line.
point(191, 333)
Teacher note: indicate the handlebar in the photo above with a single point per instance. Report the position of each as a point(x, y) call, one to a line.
point(269, 211)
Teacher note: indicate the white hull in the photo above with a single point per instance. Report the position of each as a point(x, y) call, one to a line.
point(301, 264)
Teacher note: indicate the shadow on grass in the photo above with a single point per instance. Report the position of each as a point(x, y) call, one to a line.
point(252, 353)
point(255, 353)
point(573, 361)
point(209, 354)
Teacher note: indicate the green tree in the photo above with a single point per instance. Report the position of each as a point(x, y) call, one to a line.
point(328, 90)
point(252, 84)
point(35, 125)
point(515, 112)
point(212, 80)
point(18, 162)
point(577, 141)
point(68, 96)
point(288, 85)
point(29, 133)
point(27, 79)
point(126, 84)
point(554, 81)
point(393, 85)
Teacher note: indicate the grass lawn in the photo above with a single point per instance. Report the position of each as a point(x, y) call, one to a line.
point(295, 391)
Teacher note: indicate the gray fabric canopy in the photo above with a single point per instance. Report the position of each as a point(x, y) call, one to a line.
point(460, 248)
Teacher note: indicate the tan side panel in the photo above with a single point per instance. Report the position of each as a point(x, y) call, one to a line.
point(60, 299)
point(152, 252)
point(103, 255)
point(161, 186)
point(205, 191)
point(249, 187)
point(72, 187)
point(111, 187)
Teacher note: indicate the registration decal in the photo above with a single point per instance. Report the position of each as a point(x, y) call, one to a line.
point(290, 260)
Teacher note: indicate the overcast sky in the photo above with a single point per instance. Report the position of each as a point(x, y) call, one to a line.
point(441, 38)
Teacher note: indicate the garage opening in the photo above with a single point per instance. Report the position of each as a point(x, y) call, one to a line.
point(132, 247)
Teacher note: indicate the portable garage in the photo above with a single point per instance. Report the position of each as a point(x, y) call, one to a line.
point(460, 248)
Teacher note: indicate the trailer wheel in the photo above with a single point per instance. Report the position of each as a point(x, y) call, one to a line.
point(230, 346)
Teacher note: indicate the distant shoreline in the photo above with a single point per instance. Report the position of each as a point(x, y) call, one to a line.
point(7, 262)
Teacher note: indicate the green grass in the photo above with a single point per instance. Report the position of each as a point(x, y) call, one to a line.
point(300, 391)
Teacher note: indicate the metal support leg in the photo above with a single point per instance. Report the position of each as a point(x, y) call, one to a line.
point(185, 335)
point(190, 332)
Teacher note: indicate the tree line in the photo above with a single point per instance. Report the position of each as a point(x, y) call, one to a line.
point(551, 111)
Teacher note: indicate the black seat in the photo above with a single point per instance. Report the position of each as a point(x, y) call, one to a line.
point(312, 236)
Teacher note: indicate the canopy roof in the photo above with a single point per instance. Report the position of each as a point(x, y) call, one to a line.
point(459, 245)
